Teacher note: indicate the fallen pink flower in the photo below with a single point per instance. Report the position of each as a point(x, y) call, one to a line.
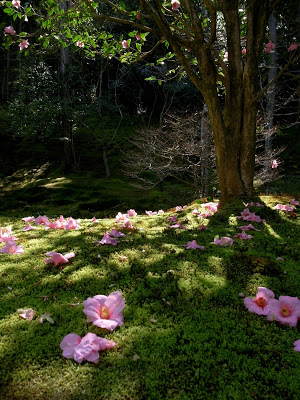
point(202, 228)
point(224, 241)
point(160, 212)
point(258, 205)
point(245, 213)
point(108, 240)
point(47, 317)
point(26, 314)
point(121, 217)
point(253, 218)
point(204, 215)
point(172, 219)
point(9, 30)
point(285, 310)
point(116, 233)
point(6, 235)
point(28, 219)
point(150, 212)
point(12, 248)
point(58, 258)
point(293, 202)
point(297, 345)
point(86, 348)
point(261, 303)
point(177, 226)
point(28, 227)
point(53, 225)
point(195, 211)
point(175, 5)
point(193, 245)
point(250, 204)
point(249, 227)
point(94, 219)
point(178, 208)
point(128, 226)
point(283, 207)
point(42, 220)
point(72, 223)
point(243, 235)
point(131, 213)
point(105, 311)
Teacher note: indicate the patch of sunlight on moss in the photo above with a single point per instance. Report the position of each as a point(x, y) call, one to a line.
point(271, 231)
point(205, 282)
point(86, 272)
point(233, 221)
point(57, 182)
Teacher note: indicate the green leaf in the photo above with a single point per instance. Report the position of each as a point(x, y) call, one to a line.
point(9, 11)
point(151, 78)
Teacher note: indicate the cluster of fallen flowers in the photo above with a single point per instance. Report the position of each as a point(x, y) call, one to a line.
point(60, 223)
point(104, 312)
point(285, 310)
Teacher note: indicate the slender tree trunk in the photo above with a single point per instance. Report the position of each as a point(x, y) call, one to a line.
point(271, 96)
point(66, 118)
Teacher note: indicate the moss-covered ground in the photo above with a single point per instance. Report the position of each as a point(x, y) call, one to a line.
point(187, 334)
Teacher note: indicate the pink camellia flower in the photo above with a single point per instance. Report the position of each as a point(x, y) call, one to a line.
point(258, 205)
point(175, 5)
point(6, 235)
point(177, 226)
point(116, 233)
point(202, 228)
point(26, 314)
point(293, 46)
point(28, 227)
point(195, 211)
point(79, 44)
point(178, 208)
point(58, 258)
point(28, 219)
point(243, 235)
point(105, 311)
point(23, 45)
point(42, 220)
point(245, 213)
point(94, 219)
point(121, 217)
point(285, 310)
point(193, 245)
point(9, 30)
point(261, 303)
point(149, 213)
point(283, 207)
point(244, 51)
point(249, 227)
point(270, 47)
point(108, 240)
point(204, 215)
point(12, 248)
point(16, 4)
point(293, 202)
point(138, 37)
point(160, 212)
point(224, 241)
point(212, 207)
point(86, 348)
point(131, 213)
point(297, 345)
point(72, 223)
point(124, 44)
point(250, 204)
point(53, 225)
point(274, 164)
point(128, 226)
point(172, 219)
